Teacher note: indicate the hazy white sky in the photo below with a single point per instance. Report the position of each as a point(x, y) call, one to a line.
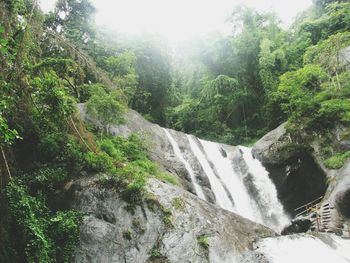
point(180, 19)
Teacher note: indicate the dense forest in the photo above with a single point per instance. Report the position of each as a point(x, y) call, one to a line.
point(231, 89)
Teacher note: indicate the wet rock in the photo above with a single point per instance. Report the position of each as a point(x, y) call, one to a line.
point(297, 226)
point(112, 233)
point(340, 191)
point(299, 179)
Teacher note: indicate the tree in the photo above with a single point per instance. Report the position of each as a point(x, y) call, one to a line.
point(153, 68)
point(325, 3)
point(328, 53)
point(106, 108)
point(73, 19)
point(296, 94)
point(123, 73)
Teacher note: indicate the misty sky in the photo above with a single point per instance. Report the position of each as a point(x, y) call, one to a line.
point(181, 19)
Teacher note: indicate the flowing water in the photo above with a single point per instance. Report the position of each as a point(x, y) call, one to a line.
point(188, 167)
point(305, 248)
point(243, 186)
point(265, 193)
point(217, 187)
point(232, 184)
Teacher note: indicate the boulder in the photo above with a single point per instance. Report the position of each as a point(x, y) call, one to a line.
point(297, 174)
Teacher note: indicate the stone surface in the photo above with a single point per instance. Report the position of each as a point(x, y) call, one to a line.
point(266, 149)
point(161, 151)
point(299, 179)
point(297, 226)
point(111, 233)
point(302, 177)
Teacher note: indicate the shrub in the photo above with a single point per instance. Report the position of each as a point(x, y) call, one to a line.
point(60, 148)
point(337, 161)
point(127, 234)
point(133, 148)
point(48, 179)
point(106, 108)
point(203, 241)
point(46, 237)
point(29, 213)
point(99, 162)
point(110, 147)
point(64, 230)
point(178, 203)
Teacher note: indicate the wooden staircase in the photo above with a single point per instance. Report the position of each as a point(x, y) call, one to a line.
point(320, 216)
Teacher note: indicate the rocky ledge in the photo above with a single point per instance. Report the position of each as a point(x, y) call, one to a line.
point(170, 225)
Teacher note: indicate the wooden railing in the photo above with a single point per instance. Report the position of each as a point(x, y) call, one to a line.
point(307, 208)
point(321, 218)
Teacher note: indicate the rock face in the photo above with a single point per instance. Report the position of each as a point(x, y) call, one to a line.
point(298, 177)
point(301, 177)
point(160, 149)
point(221, 174)
point(171, 225)
point(297, 226)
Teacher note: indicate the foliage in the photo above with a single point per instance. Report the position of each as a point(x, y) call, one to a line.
point(127, 234)
point(73, 19)
point(7, 135)
point(64, 229)
point(153, 68)
point(99, 162)
point(157, 256)
point(127, 160)
point(327, 52)
point(47, 236)
point(29, 213)
point(167, 217)
point(337, 161)
point(203, 241)
point(106, 108)
point(53, 104)
point(60, 148)
point(296, 94)
point(178, 203)
point(226, 88)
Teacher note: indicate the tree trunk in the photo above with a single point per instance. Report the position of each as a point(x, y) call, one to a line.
point(6, 164)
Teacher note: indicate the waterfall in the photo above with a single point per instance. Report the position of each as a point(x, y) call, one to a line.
point(232, 181)
point(216, 186)
point(177, 151)
point(304, 248)
point(241, 187)
point(265, 193)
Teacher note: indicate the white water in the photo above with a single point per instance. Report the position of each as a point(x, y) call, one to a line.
point(274, 215)
point(220, 194)
point(188, 167)
point(242, 201)
point(262, 206)
point(305, 248)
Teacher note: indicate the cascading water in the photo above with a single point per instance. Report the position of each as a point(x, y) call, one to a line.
point(304, 248)
point(228, 186)
point(216, 186)
point(188, 167)
point(244, 187)
point(264, 208)
point(232, 181)
point(265, 193)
